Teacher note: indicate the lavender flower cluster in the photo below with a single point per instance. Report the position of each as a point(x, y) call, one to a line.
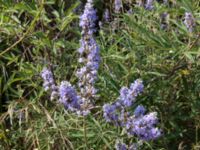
point(49, 83)
point(149, 5)
point(137, 122)
point(89, 55)
point(80, 101)
point(88, 19)
point(189, 21)
point(69, 97)
point(118, 6)
point(164, 20)
point(106, 15)
point(90, 58)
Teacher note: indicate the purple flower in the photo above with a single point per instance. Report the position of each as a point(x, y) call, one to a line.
point(130, 11)
point(88, 19)
point(144, 126)
point(110, 114)
point(189, 21)
point(89, 55)
point(127, 96)
point(116, 112)
point(118, 6)
point(68, 96)
point(47, 76)
point(126, 99)
point(149, 4)
point(136, 122)
point(164, 18)
point(49, 83)
point(106, 15)
point(137, 87)
point(120, 146)
point(88, 73)
point(139, 110)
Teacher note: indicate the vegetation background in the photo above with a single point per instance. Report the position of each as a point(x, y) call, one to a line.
point(37, 33)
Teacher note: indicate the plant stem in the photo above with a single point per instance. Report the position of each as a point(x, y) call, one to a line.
point(85, 133)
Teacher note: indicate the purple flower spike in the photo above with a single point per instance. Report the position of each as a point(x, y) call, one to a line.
point(110, 113)
point(135, 122)
point(89, 55)
point(164, 20)
point(118, 6)
point(47, 76)
point(144, 126)
point(87, 74)
point(106, 16)
point(127, 96)
point(68, 96)
point(88, 19)
point(149, 4)
point(140, 110)
point(137, 87)
point(189, 21)
point(49, 83)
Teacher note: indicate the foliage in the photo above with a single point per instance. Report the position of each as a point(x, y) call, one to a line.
point(41, 33)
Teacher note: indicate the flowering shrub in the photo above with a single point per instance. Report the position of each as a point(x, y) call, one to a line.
point(136, 124)
point(88, 98)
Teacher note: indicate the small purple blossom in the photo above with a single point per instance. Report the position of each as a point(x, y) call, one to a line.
point(126, 99)
point(149, 4)
point(106, 15)
point(130, 11)
point(49, 83)
point(68, 96)
point(88, 73)
point(136, 122)
point(89, 55)
point(88, 19)
point(189, 21)
point(120, 146)
point(144, 126)
point(47, 76)
point(118, 6)
point(164, 20)
point(127, 96)
point(110, 113)
point(139, 110)
point(137, 87)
